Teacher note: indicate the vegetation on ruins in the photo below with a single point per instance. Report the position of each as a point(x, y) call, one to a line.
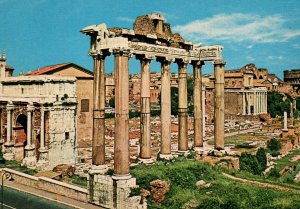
point(182, 175)
point(262, 158)
point(274, 146)
point(249, 163)
point(277, 105)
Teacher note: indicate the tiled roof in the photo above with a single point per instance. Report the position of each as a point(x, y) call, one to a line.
point(8, 68)
point(48, 69)
point(52, 68)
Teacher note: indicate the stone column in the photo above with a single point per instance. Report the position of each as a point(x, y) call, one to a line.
point(9, 144)
point(244, 103)
point(219, 104)
point(182, 107)
point(30, 158)
point(254, 103)
point(165, 151)
point(203, 111)
point(43, 157)
point(197, 98)
point(266, 102)
point(248, 103)
point(285, 122)
point(145, 125)
point(291, 115)
point(1, 116)
point(121, 142)
point(98, 143)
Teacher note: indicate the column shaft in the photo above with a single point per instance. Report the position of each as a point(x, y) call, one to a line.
point(42, 134)
point(254, 103)
point(198, 121)
point(98, 145)
point(121, 142)
point(219, 104)
point(182, 107)
point(248, 103)
point(244, 104)
point(145, 125)
point(203, 110)
point(165, 107)
point(9, 125)
point(291, 115)
point(30, 109)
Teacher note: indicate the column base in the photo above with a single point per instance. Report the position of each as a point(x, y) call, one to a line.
point(182, 153)
point(166, 156)
point(198, 149)
point(121, 177)
point(9, 151)
point(30, 160)
point(108, 192)
point(148, 161)
point(43, 161)
point(98, 169)
point(8, 144)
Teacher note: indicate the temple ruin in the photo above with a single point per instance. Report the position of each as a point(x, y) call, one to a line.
point(150, 39)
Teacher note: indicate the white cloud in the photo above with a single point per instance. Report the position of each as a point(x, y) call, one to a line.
point(238, 27)
point(250, 46)
point(126, 19)
point(296, 46)
point(250, 58)
point(275, 57)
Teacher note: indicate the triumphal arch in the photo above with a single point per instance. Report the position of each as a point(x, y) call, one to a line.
point(150, 40)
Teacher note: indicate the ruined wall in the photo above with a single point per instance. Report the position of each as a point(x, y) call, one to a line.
point(62, 136)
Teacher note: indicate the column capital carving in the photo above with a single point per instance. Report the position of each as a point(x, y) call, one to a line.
point(10, 106)
point(146, 56)
point(30, 107)
point(122, 52)
point(197, 63)
point(166, 59)
point(184, 60)
point(219, 62)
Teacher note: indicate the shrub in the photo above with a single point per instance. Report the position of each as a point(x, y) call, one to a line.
point(262, 158)
point(249, 163)
point(274, 144)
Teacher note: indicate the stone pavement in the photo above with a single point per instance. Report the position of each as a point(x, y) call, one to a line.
point(51, 196)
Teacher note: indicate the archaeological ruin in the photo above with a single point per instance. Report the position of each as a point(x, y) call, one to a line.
point(150, 39)
point(37, 126)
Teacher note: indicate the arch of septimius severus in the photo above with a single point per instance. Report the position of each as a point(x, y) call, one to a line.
point(151, 39)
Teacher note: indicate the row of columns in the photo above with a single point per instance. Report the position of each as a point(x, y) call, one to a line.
point(121, 142)
point(259, 103)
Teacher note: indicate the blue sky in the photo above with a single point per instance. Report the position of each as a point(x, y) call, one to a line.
point(36, 33)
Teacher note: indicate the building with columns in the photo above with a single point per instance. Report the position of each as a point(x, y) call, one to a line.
point(150, 40)
point(244, 98)
point(38, 126)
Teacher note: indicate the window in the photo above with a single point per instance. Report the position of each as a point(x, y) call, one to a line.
point(85, 105)
point(67, 135)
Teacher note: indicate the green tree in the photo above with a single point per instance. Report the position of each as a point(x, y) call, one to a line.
point(112, 102)
point(274, 144)
point(276, 105)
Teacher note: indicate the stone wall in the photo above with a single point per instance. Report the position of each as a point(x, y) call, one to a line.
point(49, 185)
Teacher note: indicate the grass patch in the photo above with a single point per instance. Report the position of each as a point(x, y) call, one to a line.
point(78, 180)
point(12, 164)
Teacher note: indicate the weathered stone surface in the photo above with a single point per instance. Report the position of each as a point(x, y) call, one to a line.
point(202, 183)
point(158, 190)
point(64, 169)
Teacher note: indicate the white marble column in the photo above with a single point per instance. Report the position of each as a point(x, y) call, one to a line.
point(285, 122)
point(248, 103)
point(9, 144)
point(42, 132)
point(30, 158)
point(43, 156)
point(254, 103)
point(266, 102)
point(203, 110)
point(9, 141)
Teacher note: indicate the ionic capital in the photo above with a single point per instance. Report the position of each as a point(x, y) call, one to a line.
point(10, 106)
point(219, 62)
point(145, 57)
point(122, 52)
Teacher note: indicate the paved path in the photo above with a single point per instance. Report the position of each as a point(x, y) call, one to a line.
point(261, 184)
point(70, 203)
point(237, 132)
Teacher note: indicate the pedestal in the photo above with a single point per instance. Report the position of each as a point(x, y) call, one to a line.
point(148, 161)
point(9, 151)
point(43, 161)
point(166, 156)
point(30, 157)
point(113, 192)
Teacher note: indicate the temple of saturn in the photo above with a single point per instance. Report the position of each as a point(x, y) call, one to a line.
point(151, 39)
